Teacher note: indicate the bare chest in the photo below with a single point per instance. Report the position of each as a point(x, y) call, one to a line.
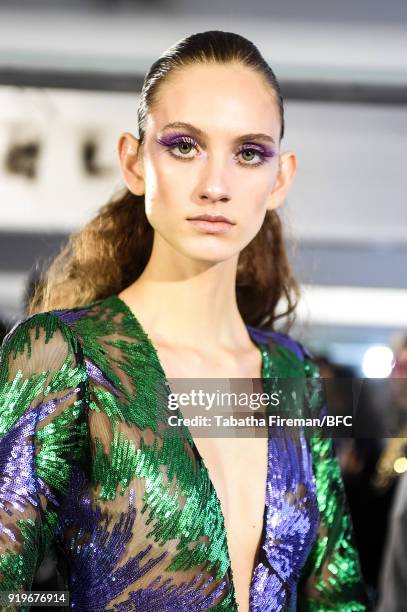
point(238, 470)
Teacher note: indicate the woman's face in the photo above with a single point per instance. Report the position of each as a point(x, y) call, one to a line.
point(204, 153)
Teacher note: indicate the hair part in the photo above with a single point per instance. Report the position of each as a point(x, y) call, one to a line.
point(112, 250)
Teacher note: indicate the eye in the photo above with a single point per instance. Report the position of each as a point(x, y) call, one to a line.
point(250, 151)
point(184, 145)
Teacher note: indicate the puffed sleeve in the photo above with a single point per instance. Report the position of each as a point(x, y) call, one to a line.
point(42, 433)
point(331, 579)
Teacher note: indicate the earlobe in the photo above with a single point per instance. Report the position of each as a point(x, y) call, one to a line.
point(131, 163)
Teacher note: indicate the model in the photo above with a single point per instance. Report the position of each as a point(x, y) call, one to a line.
point(178, 278)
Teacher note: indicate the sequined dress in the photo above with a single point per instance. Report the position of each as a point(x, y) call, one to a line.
point(131, 513)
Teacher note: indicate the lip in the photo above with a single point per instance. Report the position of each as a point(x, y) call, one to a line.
point(211, 227)
point(211, 219)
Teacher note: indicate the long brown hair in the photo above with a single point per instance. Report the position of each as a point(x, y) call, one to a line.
point(112, 250)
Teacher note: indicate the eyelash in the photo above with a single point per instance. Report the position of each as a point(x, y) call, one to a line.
point(173, 143)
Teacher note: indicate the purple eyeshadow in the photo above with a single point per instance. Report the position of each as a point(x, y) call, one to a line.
point(170, 140)
point(177, 138)
point(261, 149)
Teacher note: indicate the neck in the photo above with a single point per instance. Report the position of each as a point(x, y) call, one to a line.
point(189, 303)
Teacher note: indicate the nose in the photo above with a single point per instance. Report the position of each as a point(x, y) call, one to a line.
point(214, 195)
point(213, 187)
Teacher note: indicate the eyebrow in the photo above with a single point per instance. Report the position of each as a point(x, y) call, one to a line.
point(201, 134)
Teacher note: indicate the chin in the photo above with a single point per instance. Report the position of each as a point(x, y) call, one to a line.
point(211, 253)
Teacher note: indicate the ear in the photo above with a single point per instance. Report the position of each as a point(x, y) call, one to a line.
point(131, 163)
point(286, 173)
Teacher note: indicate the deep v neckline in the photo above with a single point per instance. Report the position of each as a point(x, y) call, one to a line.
point(265, 374)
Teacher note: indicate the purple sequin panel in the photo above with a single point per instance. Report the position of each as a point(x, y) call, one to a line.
point(96, 374)
point(263, 335)
point(292, 520)
point(69, 316)
point(95, 554)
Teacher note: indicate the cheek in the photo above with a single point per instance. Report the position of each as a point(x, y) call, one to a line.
point(254, 197)
point(157, 180)
point(253, 206)
point(166, 191)
point(151, 182)
point(260, 191)
point(258, 182)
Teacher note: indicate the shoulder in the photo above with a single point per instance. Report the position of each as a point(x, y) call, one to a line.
point(40, 342)
point(291, 352)
point(30, 332)
point(50, 323)
point(39, 357)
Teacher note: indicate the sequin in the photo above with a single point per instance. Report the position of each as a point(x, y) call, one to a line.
point(86, 464)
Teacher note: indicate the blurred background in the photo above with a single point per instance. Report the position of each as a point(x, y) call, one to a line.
point(70, 74)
